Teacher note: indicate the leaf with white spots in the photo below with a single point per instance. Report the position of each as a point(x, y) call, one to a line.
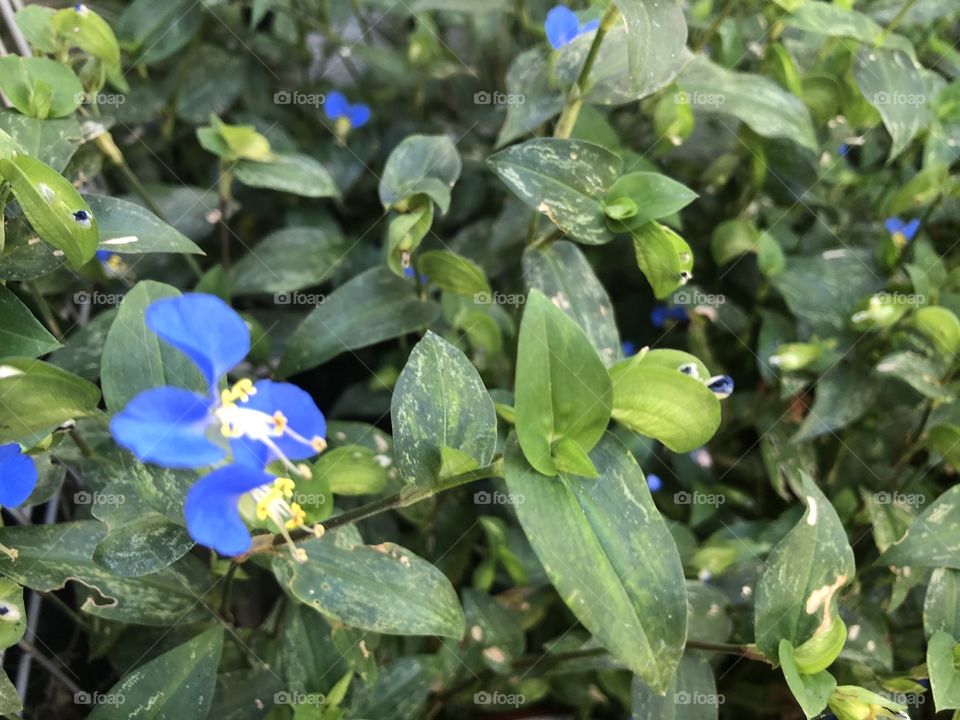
point(941, 604)
point(562, 273)
point(562, 391)
point(53, 206)
point(13, 618)
point(802, 576)
point(565, 180)
point(933, 539)
point(421, 164)
point(177, 684)
point(944, 673)
point(692, 694)
point(440, 402)
point(609, 554)
point(129, 229)
point(384, 588)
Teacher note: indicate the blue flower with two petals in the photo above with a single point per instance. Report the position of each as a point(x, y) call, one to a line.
point(662, 314)
point(337, 108)
point(256, 424)
point(563, 26)
point(902, 232)
point(18, 475)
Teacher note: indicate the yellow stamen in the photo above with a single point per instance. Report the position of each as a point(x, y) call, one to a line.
point(285, 486)
point(299, 516)
point(241, 391)
point(899, 239)
point(264, 503)
point(279, 423)
point(318, 443)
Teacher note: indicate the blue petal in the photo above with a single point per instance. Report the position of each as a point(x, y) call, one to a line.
point(910, 229)
point(629, 348)
point(893, 225)
point(167, 426)
point(588, 27)
point(335, 105)
point(18, 475)
point(303, 417)
point(658, 316)
point(721, 386)
point(211, 512)
point(654, 482)
point(358, 115)
point(561, 25)
point(103, 255)
point(205, 329)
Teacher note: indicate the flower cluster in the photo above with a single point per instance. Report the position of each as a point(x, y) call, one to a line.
point(245, 430)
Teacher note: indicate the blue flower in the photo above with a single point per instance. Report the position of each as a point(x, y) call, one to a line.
point(83, 218)
point(18, 475)
point(654, 482)
point(259, 423)
point(902, 232)
point(112, 264)
point(563, 26)
point(663, 313)
point(721, 386)
point(628, 348)
point(844, 149)
point(337, 107)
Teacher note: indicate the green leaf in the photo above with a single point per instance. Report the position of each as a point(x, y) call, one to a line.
point(565, 180)
point(131, 229)
point(691, 695)
point(20, 332)
point(657, 400)
point(528, 77)
point(52, 555)
point(40, 87)
point(36, 24)
point(594, 539)
point(13, 622)
point(561, 272)
point(811, 691)
point(940, 325)
point(440, 402)
point(288, 172)
point(289, 259)
point(134, 357)
point(892, 82)
point(453, 273)
point(352, 470)
point(663, 257)
point(139, 540)
point(802, 575)
point(91, 33)
point(9, 699)
point(941, 604)
point(933, 539)
point(372, 307)
point(919, 372)
point(384, 588)
point(825, 18)
point(656, 36)
point(733, 238)
point(421, 164)
point(944, 673)
point(35, 396)
point(49, 202)
point(177, 684)
point(755, 100)
point(155, 32)
point(562, 387)
point(653, 195)
point(51, 141)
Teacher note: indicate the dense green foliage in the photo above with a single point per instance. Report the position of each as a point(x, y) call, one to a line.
point(519, 258)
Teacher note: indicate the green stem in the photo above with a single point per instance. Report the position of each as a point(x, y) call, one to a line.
point(48, 317)
point(715, 25)
point(223, 193)
point(896, 20)
point(80, 443)
point(571, 110)
point(227, 598)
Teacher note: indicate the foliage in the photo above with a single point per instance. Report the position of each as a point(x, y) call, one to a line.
point(377, 360)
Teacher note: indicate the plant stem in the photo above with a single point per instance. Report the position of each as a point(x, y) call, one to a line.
point(80, 443)
point(715, 25)
point(48, 317)
point(223, 193)
point(571, 110)
point(227, 598)
point(896, 20)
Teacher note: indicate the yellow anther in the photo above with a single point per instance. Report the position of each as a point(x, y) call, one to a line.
point(241, 391)
point(264, 504)
point(318, 443)
point(899, 239)
point(298, 516)
point(279, 421)
point(285, 486)
point(303, 470)
point(115, 262)
point(229, 431)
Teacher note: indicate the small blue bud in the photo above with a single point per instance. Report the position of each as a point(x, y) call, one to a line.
point(721, 386)
point(654, 482)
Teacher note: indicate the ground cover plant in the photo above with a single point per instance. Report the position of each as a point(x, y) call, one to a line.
point(402, 359)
